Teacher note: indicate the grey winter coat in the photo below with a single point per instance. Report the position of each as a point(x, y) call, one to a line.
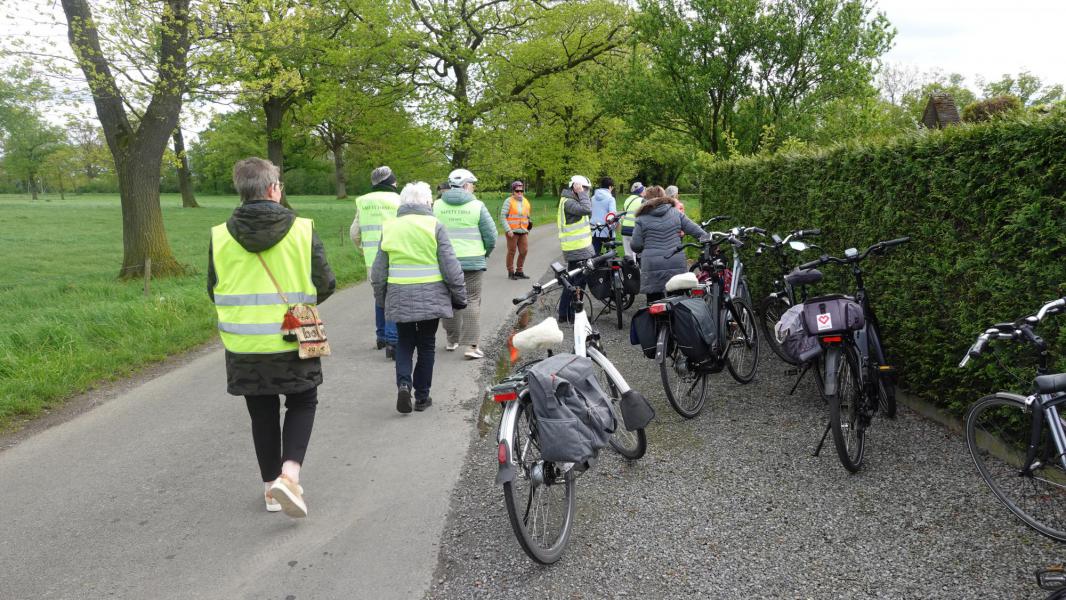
point(421, 301)
point(458, 197)
point(575, 207)
point(657, 234)
point(258, 225)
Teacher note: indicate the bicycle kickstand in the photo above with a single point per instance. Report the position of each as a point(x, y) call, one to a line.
point(806, 367)
point(818, 450)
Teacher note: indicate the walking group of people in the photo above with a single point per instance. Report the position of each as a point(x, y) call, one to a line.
point(426, 261)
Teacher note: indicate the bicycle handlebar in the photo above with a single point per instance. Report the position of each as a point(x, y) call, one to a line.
point(715, 220)
point(539, 288)
point(877, 248)
point(1020, 329)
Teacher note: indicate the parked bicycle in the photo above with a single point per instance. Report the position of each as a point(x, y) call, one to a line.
point(788, 288)
point(1018, 443)
point(617, 282)
point(539, 494)
point(855, 377)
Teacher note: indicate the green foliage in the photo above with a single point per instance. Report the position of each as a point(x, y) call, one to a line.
point(1026, 87)
point(983, 110)
point(984, 205)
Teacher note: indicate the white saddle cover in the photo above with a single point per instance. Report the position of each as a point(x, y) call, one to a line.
point(684, 281)
point(539, 337)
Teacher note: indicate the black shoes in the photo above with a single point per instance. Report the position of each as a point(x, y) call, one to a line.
point(520, 275)
point(381, 344)
point(421, 405)
point(403, 399)
point(390, 352)
point(510, 275)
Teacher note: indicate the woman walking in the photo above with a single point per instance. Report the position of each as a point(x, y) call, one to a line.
point(419, 281)
point(259, 261)
point(656, 235)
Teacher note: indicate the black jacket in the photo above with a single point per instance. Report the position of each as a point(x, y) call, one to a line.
point(258, 225)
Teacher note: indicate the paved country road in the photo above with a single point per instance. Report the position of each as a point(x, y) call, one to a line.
point(733, 505)
point(155, 493)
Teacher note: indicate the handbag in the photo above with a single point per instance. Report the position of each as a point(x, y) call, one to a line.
point(302, 324)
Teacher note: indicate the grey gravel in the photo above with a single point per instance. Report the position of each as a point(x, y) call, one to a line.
point(731, 504)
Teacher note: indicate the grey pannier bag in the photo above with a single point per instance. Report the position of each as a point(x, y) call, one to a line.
point(832, 314)
point(574, 417)
point(791, 333)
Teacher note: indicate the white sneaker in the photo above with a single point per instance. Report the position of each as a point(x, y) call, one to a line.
point(452, 347)
point(290, 496)
point(273, 505)
point(474, 353)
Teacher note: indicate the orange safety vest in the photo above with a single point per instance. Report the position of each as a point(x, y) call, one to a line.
point(518, 219)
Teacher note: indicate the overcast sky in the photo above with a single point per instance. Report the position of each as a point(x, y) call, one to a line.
point(985, 38)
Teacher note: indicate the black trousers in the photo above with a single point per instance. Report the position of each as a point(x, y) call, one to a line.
point(274, 443)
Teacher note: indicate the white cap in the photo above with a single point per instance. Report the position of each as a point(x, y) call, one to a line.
point(460, 176)
point(580, 180)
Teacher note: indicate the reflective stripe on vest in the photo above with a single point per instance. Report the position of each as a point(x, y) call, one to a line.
point(574, 236)
point(374, 209)
point(250, 309)
point(518, 219)
point(411, 243)
point(630, 206)
point(461, 222)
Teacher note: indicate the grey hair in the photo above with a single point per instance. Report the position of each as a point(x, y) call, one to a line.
point(671, 191)
point(417, 193)
point(253, 176)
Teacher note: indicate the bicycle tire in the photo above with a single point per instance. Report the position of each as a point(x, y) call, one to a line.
point(674, 372)
point(618, 302)
point(743, 335)
point(886, 389)
point(630, 444)
point(997, 434)
point(769, 313)
point(527, 456)
point(849, 432)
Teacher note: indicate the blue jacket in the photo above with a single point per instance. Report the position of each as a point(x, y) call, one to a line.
point(602, 204)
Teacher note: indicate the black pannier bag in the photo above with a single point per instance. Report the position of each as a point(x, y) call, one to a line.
point(791, 333)
point(630, 277)
point(695, 329)
point(574, 417)
point(832, 314)
point(642, 332)
point(599, 281)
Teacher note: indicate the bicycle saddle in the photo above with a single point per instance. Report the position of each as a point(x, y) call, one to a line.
point(1051, 384)
point(808, 277)
point(684, 281)
point(539, 337)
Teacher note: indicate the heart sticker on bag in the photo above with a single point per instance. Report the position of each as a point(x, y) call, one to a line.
point(825, 321)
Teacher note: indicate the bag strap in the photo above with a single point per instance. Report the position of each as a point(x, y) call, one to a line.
point(271, 275)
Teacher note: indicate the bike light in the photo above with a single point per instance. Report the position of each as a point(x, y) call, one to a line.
point(506, 396)
point(616, 267)
point(698, 292)
point(832, 339)
point(656, 309)
point(501, 453)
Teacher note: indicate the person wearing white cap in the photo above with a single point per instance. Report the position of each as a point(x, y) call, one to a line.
point(629, 220)
point(575, 235)
point(373, 210)
point(473, 234)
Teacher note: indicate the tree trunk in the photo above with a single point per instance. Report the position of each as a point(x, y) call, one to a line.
point(338, 168)
point(538, 183)
point(274, 109)
point(33, 189)
point(59, 176)
point(143, 234)
point(184, 177)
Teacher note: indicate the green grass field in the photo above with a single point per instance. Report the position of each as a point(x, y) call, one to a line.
point(71, 323)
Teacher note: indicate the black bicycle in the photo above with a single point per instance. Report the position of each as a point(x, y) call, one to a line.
point(855, 377)
point(1018, 443)
point(617, 282)
point(788, 288)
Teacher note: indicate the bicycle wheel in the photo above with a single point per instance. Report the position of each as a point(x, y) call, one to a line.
point(686, 391)
point(845, 410)
point(886, 389)
point(997, 435)
point(770, 310)
point(742, 345)
point(540, 499)
point(630, 444)
point(619, 302)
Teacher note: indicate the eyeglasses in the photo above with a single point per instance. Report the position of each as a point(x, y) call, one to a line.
point(519, 190)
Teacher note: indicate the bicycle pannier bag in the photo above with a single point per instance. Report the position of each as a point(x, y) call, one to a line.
point(643, 333)
point(695, 329)
point(832, 314)
point(599, 282)
point(631, 277)
point(791, 333)
point(574, 417)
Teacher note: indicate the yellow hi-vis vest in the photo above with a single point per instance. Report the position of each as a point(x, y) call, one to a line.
point(461, 223)
point(411, 242)
point(574, 236)
point(250, 310)
point(518, 214)
point(630, 206)
point(374, 209)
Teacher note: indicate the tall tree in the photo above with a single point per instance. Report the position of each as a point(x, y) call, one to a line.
point(1026, 87)
point(188, 199)
point(137, 145)
point(482, 55)
point(27, 143)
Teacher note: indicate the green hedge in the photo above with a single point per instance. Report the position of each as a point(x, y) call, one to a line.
point(986, 208)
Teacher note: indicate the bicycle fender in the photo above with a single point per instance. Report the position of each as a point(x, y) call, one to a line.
point(1010, 396)
point(831, 359)
point(505, 472)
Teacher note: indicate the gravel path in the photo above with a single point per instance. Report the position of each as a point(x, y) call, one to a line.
point(732, 505)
